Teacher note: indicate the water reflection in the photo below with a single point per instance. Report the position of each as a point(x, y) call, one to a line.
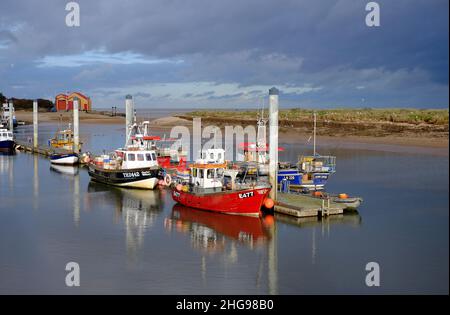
point(137, 209)
point(210, 232)
point(65, 169)
point(352, 219)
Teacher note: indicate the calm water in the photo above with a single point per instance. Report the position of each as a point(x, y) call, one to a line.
point(129, 241)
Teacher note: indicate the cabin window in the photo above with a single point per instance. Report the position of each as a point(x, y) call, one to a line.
point(131, 157)
point(153, 156)
point(148, 156)
point(210, 173)
point(211, 156)
point(201, 173)
point(140, 157)
point(220, 172)
point(194, 172)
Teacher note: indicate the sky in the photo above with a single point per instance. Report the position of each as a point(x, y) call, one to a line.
point(227, 54)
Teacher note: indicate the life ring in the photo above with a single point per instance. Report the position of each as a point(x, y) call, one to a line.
point(167, 180)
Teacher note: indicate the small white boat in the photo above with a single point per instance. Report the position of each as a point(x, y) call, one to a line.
point(64, 158)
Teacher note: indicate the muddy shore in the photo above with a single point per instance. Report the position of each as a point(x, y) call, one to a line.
point(391, 134)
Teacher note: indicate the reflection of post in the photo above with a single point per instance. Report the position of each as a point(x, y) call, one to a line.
point(35, 181)
point(76, 200)
point(273, 263)
point(35, 124)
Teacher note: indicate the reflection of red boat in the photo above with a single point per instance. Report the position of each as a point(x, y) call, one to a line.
point(245, 229)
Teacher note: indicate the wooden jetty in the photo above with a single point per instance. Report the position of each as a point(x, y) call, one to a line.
point(301, 205)
point(41, 149)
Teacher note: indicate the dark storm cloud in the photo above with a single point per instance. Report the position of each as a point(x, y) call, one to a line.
point(322, 44)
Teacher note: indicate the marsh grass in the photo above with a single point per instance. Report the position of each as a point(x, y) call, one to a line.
point(364, 115)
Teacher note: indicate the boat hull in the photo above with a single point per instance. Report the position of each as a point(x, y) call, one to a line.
point(7, 145)
point(64, 159)
point(295, 179)
point(242, 202)
point(145, 178)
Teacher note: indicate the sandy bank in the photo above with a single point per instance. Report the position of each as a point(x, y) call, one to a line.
point(66, 117)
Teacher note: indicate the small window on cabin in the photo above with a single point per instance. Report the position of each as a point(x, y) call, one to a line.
point(131, 157)
point(153, 156)
point(201, 173)
point(194, 172)
point(140, 157)
point(148, 156)
point(220, 172)
point(211, 156)
point(210, 173)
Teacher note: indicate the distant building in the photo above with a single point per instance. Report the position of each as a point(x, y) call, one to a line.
point(64, 102)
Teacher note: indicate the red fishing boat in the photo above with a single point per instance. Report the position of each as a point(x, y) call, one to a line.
point(214, 187)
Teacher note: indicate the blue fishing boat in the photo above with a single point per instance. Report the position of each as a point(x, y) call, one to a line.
point(6, 140)
point(311, 171)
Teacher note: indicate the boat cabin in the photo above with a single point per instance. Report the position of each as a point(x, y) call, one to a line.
point(317, 163)
point(212, 156)
point(5, 135)
point(207, 175)
point(62, 139)
point(132, 159)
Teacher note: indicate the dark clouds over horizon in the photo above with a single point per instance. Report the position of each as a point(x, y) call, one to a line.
point(228, 53)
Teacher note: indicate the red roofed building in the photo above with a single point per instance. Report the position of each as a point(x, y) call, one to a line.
point(64, 102)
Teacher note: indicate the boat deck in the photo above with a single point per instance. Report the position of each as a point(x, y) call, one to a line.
point(300, 205)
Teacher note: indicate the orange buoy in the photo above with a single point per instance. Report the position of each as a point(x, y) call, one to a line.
point(268, 203)
point(317, 194)
point(179, 187)
point(343, 196)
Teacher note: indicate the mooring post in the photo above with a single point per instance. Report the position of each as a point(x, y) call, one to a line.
point(35, 125)
point(11, 116)
point(129, 112)
point(76, 126)
point(273, 145)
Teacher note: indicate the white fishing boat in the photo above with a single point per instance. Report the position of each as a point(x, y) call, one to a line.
point(130, 166)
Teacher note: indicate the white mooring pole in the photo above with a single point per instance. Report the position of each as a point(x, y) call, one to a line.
point(76, 126)
point(11, 116)
point(35, 124)
point(129, 112)
point(273, 145)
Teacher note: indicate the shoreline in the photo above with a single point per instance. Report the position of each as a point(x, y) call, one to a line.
point(287, 135)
